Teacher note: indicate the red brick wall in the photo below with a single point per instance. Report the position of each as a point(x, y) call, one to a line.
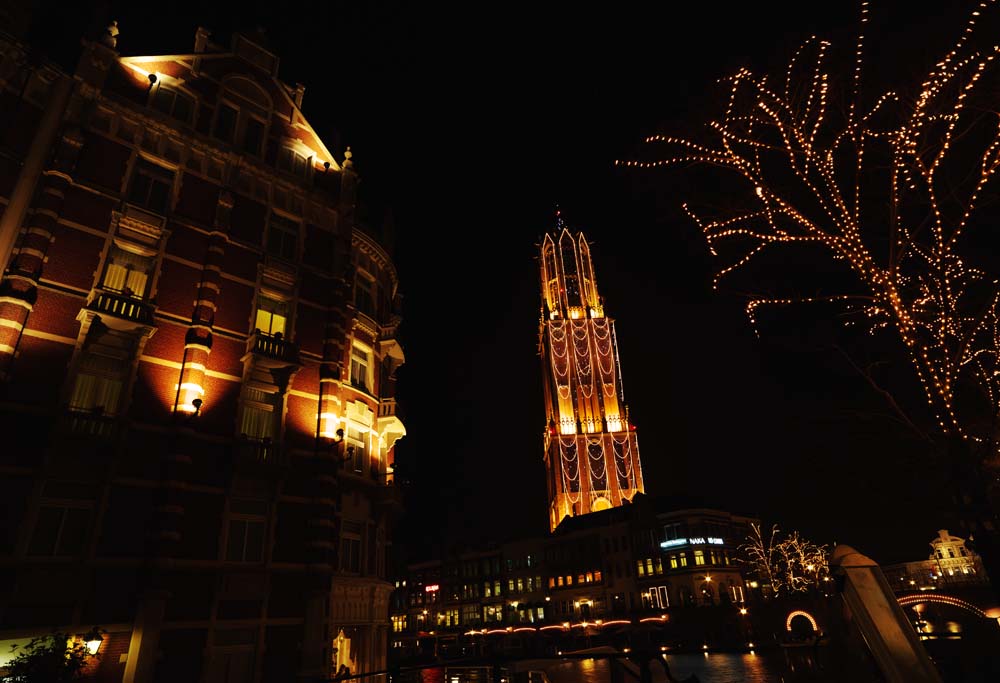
point(102, 162)
point(74, 258)
point(177, 288)
point(197, 199)
point(234, 303)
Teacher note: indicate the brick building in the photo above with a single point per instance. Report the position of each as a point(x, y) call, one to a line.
point(197, 368)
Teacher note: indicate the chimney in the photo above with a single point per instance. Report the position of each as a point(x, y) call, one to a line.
point(201, 39)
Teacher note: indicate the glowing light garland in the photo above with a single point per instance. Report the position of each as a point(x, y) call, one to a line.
point(811, 176)
point(587, 430)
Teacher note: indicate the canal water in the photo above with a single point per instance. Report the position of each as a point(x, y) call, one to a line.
point(709, 668)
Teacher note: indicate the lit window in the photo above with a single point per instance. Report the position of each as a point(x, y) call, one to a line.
point(699, 557)
point(172, 103)
point(272, 316)
point(684, 559)
point(127, 271)
point(361, 367)
point(649, 566)
point(283, 237)
point(673, 562)
point(590, 577)
point(597, 576)
point(560, 581)
point(150, 186)
point(552, 582)
point(640, 568)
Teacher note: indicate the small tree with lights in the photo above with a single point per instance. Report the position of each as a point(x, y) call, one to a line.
point(784, 564)
point(890, 196)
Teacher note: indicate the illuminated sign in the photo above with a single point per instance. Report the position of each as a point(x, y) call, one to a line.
point(695, 540)
point(431, 588)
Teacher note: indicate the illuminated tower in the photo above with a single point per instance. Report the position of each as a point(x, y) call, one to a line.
point(591, 450)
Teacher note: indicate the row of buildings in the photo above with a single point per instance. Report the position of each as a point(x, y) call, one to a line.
point(197, 367)
point(602, 568)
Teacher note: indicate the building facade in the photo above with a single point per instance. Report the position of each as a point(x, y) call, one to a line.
point(949, 565)
point(591, 449)
point(607, 568)
point(197, 367)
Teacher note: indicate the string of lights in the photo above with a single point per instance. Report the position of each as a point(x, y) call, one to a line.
point(815, 176)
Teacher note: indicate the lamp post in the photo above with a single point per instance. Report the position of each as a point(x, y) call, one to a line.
point(93, 640)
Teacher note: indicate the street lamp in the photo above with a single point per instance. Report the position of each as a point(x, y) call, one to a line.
point(93, 641)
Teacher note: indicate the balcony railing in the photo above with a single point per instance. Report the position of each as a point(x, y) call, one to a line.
point(89, 424)
point(262, 451)
point(387, 407)
point(274, 347)
point(121, 306)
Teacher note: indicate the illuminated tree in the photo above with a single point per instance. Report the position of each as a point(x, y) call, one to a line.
point(893, 196)
point(788, 565)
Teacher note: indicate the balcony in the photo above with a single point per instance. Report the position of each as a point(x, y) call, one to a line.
point(89, 424)
point(121, 306)
point(257, 451)
point(387, 407)
point(274, 348)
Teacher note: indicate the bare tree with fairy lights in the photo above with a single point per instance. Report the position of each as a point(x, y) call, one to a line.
point(789, 564)
point(898, 189)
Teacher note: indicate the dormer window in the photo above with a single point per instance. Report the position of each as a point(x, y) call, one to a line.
point(293, 161)
point(253, 135)
point(226, 117)
point(173, 103)
point(151, 186)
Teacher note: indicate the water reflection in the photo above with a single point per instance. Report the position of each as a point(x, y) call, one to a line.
point(710, 668)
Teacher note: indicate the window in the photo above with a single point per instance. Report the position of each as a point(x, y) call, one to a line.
point(640, 568)
point(699, 557)
point(597, 576)
point(361, 367)
point(246, 540)
point(127, 271)
point(496, 589)
point(356, 448)
point(253, 136)
point(282, 237)
point(364, 294)
point(60, 531)
point(673, 562)
point(151, 186)
point(684, 559)
point(350, 546)
point(225, 122)
point(172, 103)
point(272, 316)
point(257, 417)
point(293, 162)
point(98, 384)
point(487, 590)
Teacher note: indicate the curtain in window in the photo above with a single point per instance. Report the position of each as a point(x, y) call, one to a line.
point(127, 270)
point(98, 384)
point(257, 422)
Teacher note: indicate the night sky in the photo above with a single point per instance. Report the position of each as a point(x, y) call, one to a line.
point(469, 124)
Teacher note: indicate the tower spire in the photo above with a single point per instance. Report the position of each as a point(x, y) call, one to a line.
point(591, 450)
